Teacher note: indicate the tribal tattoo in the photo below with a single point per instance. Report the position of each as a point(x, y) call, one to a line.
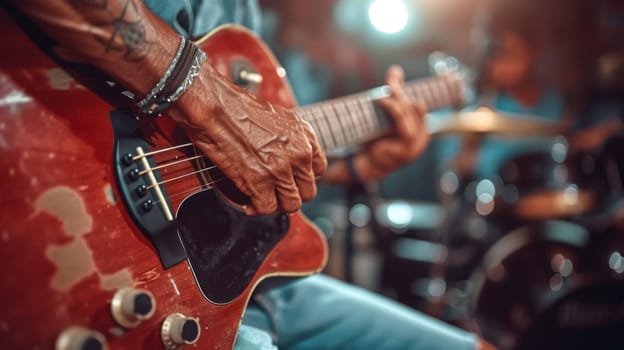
point(128, 31)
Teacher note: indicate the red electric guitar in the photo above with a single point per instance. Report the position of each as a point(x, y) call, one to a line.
point(112, 232)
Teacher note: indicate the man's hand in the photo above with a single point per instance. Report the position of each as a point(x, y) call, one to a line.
point(407, 141)
point(267, 151)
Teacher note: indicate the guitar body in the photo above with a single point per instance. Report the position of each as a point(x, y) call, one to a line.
point(73, 234)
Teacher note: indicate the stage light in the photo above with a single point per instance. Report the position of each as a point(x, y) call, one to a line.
point(388, 16)
point(400, 214)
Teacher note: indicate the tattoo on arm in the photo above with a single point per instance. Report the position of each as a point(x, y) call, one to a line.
point(127, 29)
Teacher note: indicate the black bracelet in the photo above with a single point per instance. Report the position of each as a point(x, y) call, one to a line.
point(178, 77)
point(351, 169)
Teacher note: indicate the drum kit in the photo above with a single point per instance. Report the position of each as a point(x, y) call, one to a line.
point(532, 258)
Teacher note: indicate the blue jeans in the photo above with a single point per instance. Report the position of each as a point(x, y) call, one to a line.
point(320, 312)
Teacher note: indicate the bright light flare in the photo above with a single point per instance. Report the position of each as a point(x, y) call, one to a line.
point(388, 16)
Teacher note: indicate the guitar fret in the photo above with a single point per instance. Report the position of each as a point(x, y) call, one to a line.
point(347, 120)
point(334, 133)
point(369, 127)
point(342, 114)
point(372, 116)
point(429, 96)
point(452, 88)
point(414, 92)
point(449, 91)
point(323, 127)
point(445, 96)
point(438, 98)
point(448, 97)
point(335, 127)
point(353, 119)
point(421, 95)
point(359, 122)
point(433, 93)
point(306, 115)
point(357, 116)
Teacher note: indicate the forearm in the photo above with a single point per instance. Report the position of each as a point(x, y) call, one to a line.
point(266, 151)
point(120, 37)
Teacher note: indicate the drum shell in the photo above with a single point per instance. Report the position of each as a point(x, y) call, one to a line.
point(551, 285)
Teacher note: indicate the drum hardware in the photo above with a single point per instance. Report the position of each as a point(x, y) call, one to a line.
point(552, 284)
point(559, 184)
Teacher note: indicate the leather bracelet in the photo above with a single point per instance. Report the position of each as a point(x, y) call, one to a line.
point(177, 79)
point(160, 85)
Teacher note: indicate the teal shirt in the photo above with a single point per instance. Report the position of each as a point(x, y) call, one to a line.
point(194, 18)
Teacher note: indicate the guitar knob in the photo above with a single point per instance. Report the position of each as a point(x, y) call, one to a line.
point(131, 306)
point(79, 338)
point(178, 330)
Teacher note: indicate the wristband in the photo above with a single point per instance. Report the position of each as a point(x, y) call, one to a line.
point(351, 169)
point(178, 77)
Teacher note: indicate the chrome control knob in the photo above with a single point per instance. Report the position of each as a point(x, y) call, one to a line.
point(131, 306)
point(80, 338)
point(178, 330)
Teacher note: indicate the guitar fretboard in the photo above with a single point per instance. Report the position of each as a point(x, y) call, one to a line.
point(356, 119)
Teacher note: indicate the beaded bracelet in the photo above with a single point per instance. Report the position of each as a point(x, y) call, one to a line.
point(178, 77)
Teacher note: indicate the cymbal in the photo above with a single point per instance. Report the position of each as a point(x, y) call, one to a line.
point(553, 204)
point(486, 121)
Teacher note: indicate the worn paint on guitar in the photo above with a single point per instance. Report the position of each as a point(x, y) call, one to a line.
point(67, 241)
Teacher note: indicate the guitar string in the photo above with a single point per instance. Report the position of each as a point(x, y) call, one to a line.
point(413, 87)
point(194, 189)
point(181, 176)
point(162, 150)
point(174, 162)
point(177, 161)
point(423, 90)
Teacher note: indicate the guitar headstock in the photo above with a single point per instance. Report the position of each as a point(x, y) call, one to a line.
point(442, 64)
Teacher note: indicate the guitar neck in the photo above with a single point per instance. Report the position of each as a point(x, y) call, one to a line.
point(356, 119)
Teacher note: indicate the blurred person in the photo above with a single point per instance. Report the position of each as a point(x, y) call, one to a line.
point(508, 43)
point(513, 80)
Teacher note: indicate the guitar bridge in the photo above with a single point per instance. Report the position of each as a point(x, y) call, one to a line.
point(138, 183)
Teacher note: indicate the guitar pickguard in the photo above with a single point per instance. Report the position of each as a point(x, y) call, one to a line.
point(225, 247)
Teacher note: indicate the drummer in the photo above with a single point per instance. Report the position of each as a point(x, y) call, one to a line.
point(510, 83)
